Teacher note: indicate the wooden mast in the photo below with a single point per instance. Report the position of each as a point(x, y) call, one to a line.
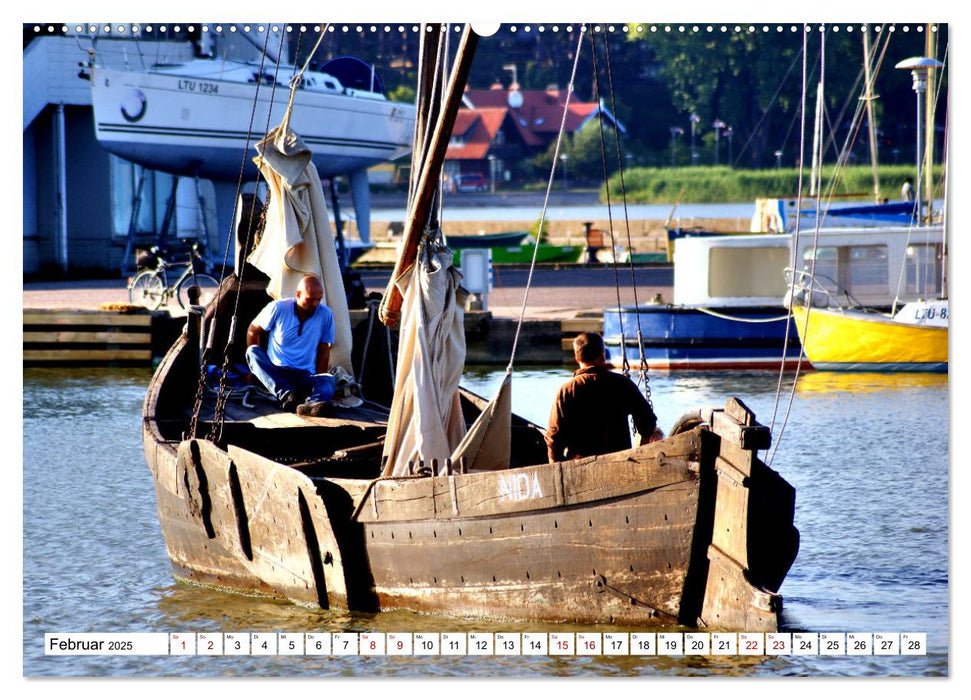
point(428, 178)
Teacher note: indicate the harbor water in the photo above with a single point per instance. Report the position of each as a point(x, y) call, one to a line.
point(867, 454)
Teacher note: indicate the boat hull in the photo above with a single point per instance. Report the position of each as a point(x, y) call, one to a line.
point(523, 254)
point(204, 126)
point(684, 337)
point(869, 342)
point(693, 530)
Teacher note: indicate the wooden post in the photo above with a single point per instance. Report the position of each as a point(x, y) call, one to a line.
point(428, 179)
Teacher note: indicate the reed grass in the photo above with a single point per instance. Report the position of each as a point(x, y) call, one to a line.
point(723, 184)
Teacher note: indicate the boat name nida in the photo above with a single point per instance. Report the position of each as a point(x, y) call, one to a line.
point(198, 86)
point(519, 488)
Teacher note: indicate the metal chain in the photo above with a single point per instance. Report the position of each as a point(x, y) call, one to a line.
point(200, 389)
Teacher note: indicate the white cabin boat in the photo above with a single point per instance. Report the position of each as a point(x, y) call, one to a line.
point(728, 310)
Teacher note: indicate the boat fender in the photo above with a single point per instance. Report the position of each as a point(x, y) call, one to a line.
point(687, 422)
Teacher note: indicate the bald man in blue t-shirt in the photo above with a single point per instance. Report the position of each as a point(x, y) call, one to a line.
point(289, 346)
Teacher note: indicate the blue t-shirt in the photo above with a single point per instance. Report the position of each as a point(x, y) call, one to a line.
point(292, 343)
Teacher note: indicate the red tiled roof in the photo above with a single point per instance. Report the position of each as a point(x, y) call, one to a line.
point(479, 127)
point(536, 120)
point(541, 111)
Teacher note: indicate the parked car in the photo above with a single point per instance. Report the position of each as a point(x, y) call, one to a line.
point(470, 182)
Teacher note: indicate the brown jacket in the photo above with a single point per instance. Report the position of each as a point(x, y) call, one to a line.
point(590, 414)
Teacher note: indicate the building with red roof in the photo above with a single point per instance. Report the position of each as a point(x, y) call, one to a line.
point(498, 127)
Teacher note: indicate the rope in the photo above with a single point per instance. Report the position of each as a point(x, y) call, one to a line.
point(795, 250)
point(740, 319)
point(219, 410)
point(625, 366)
point(297, 77)
point(200, 389)
point(546, 200)
point(630, 247)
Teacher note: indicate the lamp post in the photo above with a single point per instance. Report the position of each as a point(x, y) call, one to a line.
point(694, 119)
point(564, 157)
point(676, 131)
point(728, 134)
point(718, 125)
point(778, 159)
point(918, 68)
point(492, 174)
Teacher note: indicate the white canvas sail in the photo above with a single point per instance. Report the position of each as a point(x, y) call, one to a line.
point(426, 416)
point(297, 239)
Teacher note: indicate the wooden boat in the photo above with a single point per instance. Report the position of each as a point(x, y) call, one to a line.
point(691, 530)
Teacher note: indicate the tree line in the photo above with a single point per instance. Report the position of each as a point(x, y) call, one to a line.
point(741, 90)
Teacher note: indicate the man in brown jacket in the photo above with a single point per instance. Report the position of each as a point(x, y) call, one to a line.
point(590, 414)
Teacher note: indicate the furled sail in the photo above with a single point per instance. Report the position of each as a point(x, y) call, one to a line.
point(487, 444)
point(426, 420)
point(297, 239)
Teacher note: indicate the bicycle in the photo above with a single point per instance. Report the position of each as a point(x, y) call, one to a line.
point(150, 287)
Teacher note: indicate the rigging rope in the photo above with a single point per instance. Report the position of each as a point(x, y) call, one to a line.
point(625, 366)
point(219, 412)
point(201, 386)
point(645, 377)
point(546, 200)
point(795, 250)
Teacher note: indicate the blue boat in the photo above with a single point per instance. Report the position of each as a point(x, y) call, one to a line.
point(677, 337)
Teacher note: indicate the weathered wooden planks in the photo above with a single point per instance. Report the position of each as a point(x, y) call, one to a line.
point(571, 327)
point(739, 593)
point(65, 337)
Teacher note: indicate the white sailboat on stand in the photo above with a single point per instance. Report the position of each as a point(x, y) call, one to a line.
point(197, 119)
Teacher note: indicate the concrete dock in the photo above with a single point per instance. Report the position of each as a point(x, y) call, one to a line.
point(86, 322)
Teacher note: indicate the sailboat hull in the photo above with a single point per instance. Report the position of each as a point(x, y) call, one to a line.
point(868, 342)
point(208, 126)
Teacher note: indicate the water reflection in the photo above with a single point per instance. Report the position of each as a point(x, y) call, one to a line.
point(866, 382)
point(874, 553)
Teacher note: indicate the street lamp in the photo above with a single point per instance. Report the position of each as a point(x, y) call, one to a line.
point(718, 125)
point(728, 134)
point(492, 174)
point(694, 119)
point(676, 131)
point(918, 68)
point(778, 159)
point(564, 157)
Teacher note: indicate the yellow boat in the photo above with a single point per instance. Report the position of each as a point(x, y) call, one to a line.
point(913, 340)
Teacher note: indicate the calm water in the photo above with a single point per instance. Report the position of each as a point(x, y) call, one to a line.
point(866, 453)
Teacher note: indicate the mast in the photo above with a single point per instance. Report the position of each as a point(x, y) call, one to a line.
point(869, 97)
point(930, 104)
point(429, 177)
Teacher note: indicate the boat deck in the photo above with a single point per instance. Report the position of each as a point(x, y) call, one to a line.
point(265, 413)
